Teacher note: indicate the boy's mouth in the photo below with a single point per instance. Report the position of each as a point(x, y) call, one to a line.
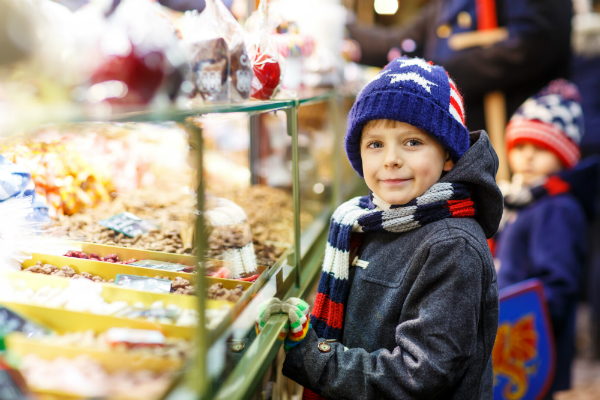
point(394, 182)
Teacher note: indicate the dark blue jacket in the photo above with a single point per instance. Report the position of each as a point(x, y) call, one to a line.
point(536, 52)
point(547, 240)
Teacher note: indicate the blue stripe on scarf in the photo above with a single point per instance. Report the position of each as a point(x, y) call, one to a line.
point(323, 330)
point(339, 236)
point(428, 214)
point(333, 287)
point(460, 192)
point(367, 202)
point(371, 222)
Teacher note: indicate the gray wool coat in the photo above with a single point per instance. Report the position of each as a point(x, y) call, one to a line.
point(421, 318)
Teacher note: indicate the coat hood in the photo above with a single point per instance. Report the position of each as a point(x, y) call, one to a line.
point(478, 167)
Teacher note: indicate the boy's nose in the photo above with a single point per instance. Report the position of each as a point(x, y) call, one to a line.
point(392, 159)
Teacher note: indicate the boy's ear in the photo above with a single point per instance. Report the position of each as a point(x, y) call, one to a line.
point(449, 164)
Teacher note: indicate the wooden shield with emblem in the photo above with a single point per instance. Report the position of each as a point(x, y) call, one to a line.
point(523, 355)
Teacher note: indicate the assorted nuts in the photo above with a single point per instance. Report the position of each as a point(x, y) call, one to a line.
point(65, 272)
point(179, 285)
point(218, 292)
point(111, 258)
point(271, 223)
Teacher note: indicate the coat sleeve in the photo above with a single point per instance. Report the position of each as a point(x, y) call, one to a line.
point(539, 34)
point(435, 338)
point(557, 243)
point(376, 41)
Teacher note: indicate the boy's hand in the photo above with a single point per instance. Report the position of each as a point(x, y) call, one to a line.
point(295, 328)
point(297, 310)
point(265, 310)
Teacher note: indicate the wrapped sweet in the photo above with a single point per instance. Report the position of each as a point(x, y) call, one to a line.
point(266, 61)
point(140, 50)
point(61, 175)
point(230, 237)
point(219, 65)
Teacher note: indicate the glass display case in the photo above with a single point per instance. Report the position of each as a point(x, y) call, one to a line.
point(227, 205)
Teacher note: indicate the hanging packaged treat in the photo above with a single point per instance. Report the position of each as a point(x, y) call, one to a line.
point(230, 237)
point(219, 66)
point(266, 60)
point(141, 54)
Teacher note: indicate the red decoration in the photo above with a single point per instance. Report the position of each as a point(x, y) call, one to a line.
point(268, 72)
point(554, 185)
point(143, 76)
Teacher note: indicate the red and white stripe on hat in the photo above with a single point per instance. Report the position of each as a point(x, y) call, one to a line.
point(543, 135)
point(457, 109)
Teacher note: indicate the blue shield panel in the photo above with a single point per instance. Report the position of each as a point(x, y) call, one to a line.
point(523, 354)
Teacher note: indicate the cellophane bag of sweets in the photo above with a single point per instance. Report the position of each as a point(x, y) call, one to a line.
point(229, 237)
point(140, 51)
point(266, 61)
point(214, 43)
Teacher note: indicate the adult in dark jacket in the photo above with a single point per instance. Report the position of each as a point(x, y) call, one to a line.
point(536, 51)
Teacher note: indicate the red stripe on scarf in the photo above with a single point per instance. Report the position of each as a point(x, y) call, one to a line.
point(461, 208)
point(310, 395)
point(492, 245)
point(330, 312)
point(554, 185)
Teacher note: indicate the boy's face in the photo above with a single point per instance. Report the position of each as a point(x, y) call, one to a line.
point(401, 163)
point(532, 162)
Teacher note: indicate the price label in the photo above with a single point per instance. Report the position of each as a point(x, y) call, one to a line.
point(144, 283)
point(161, 265)
point(151, 313)
point(128, 224)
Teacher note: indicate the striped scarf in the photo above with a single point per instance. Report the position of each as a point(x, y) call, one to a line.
point(551, 186)
point(370, 214)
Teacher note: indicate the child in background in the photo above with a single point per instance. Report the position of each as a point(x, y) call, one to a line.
point(412, 311)
point(543, 230)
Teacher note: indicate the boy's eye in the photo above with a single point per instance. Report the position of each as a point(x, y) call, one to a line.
point(375, 145)
point(413, 142)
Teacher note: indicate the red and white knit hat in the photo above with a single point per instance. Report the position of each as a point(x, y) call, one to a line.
point(551, 119)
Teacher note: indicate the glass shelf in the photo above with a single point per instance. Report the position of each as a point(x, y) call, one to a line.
point(17, 117)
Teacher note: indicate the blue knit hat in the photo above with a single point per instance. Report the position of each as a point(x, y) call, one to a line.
point(416, 92)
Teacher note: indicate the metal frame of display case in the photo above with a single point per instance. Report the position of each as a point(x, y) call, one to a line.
point(308, 251)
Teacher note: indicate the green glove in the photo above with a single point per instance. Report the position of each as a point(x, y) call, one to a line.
point(295, 329)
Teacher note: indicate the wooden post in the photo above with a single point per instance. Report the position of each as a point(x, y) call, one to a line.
point(495, 120)
point(365, 12)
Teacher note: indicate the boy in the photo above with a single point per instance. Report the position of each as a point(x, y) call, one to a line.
point(543, 233)
point(415, 315)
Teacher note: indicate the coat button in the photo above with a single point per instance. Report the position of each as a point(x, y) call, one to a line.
point(324, 347)
point(444, 31)
point(464, 20)
point(237, 346)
